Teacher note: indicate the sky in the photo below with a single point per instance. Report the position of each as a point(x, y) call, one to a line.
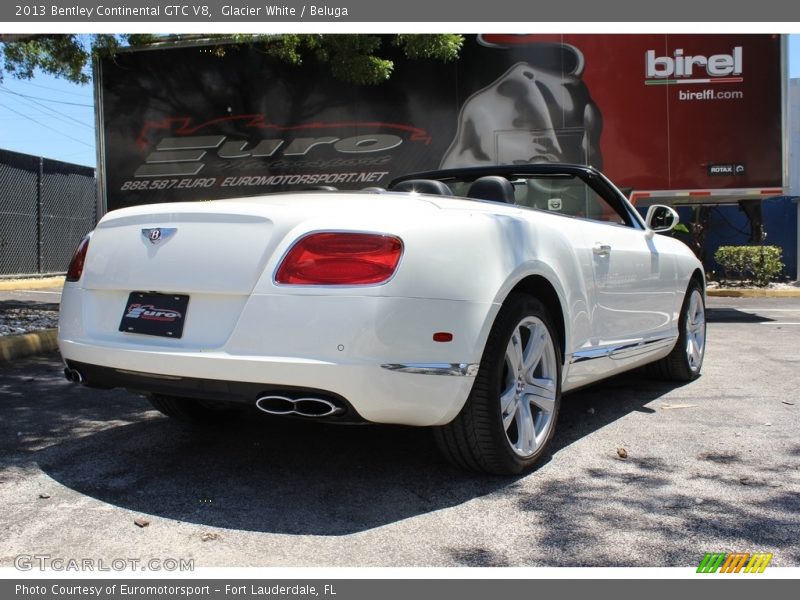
point(49, 117)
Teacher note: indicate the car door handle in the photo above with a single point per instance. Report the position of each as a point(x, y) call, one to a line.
point(601, 249)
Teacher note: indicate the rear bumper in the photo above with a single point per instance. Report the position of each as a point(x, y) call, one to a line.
point(202, 389)
point(372, 394)
point(375, 354)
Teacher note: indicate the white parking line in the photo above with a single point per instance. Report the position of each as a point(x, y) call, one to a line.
point(778, 323)
point(751, 309)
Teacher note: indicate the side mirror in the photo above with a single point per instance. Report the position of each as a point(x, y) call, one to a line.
point(661, 218)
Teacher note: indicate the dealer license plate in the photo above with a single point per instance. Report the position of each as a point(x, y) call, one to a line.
point(150, 313)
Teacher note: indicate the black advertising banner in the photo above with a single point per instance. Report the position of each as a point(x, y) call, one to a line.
point(658, 113)
point(185, 124)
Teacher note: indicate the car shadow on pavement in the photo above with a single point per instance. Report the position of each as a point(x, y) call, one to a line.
point(265, 474)
point(591, 408)
point(260, 473)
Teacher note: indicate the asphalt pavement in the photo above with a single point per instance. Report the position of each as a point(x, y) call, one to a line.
point(712, 466)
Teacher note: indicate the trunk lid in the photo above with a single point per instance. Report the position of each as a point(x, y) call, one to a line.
point(194, 250)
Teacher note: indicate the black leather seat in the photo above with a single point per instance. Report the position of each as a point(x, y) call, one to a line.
point(423, 186)
point(492, 187)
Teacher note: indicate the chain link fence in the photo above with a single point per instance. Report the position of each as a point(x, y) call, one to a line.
point(46, 207)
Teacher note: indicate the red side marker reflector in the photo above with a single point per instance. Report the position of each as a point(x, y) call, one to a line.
point(442, 336)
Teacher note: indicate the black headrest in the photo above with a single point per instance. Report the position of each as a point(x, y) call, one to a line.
point(492, 187)
point(423, 186)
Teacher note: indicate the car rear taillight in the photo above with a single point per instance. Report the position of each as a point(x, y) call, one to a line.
point(341, 258)
point(75, 269)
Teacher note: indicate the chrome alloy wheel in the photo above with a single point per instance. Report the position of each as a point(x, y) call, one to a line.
point(695, 331)
point(528, 399)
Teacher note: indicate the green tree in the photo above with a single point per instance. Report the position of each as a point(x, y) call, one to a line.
point(352, 57)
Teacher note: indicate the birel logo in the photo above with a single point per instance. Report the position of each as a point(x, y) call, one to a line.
point(182, 156)
point(148, 312)
point(685, 68)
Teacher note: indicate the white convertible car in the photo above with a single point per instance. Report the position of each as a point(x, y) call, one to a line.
point(464, 300)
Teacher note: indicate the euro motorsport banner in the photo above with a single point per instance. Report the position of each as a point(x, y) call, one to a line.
point(655, 112)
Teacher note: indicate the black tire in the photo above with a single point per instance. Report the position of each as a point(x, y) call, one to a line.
point(479, 438)
point(195, 412)
point(686, 359)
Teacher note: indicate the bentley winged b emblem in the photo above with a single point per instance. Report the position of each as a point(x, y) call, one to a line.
point(158, 234)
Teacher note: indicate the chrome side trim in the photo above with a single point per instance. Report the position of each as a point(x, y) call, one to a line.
point(642, 348)
point(622, 351)
point(585, 355)
point(458, 369)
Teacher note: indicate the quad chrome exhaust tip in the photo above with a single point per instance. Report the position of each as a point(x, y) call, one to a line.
point(73, 375)
point(304, 407)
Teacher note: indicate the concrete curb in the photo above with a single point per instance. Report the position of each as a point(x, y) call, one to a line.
point(27, 344)
point(10, 285)
point(753, 293)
